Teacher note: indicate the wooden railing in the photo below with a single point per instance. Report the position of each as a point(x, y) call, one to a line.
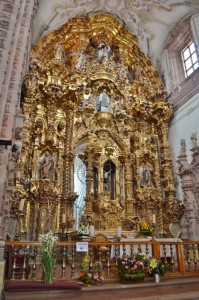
point(23, 259)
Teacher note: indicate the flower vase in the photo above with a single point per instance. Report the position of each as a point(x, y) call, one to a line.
point(48, 270)
point(157, 278)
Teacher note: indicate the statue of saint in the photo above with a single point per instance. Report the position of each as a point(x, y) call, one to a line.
point(103, 102)
point(81, 61)
point(46, 166)
point(103, 52)
point(146, 175)
point(60, 54)
point(43, 221)
point(107, 181)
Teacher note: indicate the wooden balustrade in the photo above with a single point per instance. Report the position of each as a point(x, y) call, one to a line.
point(23, 259)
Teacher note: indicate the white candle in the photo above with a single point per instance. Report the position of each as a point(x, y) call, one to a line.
point(64, 218)
point(92, 231)
point(119, 231)
point(153, 218)
point(21, 204)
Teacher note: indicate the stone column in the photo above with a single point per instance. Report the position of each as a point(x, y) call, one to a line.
point(15, 24)
point(2, 265)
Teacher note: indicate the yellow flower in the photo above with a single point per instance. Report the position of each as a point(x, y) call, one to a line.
point(153, 263)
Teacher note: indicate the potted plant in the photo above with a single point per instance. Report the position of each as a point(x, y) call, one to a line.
point(48, 252)
point(130, 269)
point(146, 228)
point(155, 267)
point(85, 276)
point(97, 277)
point(91, 277)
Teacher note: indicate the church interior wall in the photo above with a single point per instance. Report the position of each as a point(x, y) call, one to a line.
point(183, 123)
point(183, 93)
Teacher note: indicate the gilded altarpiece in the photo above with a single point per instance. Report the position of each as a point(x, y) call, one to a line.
point(90, 87)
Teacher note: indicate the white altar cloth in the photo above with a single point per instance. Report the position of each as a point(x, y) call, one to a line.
point(164, 249)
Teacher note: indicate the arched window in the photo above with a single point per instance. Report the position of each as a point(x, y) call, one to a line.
point(180, 54)
point(190, 58)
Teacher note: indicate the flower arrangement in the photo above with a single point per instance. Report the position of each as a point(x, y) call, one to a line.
point(88, 277)
point(84, 229)
point(154, 266)
point(131, 268)
point(97, 273)
point(85, 276)
point(146, 228)
point(48, 252)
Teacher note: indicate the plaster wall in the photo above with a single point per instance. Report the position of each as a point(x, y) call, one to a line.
point(184, 122)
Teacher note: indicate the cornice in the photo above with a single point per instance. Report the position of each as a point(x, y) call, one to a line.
point(185, 91)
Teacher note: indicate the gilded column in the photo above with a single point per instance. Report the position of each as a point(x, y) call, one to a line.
point(130, 209)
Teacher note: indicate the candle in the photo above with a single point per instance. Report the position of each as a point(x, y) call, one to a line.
point(153, 218)
point(92, 231)
point(148, 45)
point(21, 204)
point(119, 231)
point(64, 218)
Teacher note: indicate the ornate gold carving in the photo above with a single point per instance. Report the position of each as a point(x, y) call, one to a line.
point(91, 92)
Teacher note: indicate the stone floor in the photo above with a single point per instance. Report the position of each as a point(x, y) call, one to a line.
point(167, 289)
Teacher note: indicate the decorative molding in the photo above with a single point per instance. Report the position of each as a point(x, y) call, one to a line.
point(185, 91)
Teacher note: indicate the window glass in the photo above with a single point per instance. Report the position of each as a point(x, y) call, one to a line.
point(189, 72)
point(186, 54)
point(194, 57)
point(192, 48)
point(188, 63)
point(196, 66)
point(190, 59)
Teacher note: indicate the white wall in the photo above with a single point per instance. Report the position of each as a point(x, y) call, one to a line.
point(185, 121)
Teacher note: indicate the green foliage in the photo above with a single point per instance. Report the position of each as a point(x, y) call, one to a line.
point(155, 266)
point(130, 266)
point(93, 277)
point(48, 252)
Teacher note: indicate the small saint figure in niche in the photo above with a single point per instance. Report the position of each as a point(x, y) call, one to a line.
point(146, 175)
point(103, 52)
point(60, 54)
point(107, 180)
point(81, 61)
point(46, 166)
point(103, 102)
point(43, 221)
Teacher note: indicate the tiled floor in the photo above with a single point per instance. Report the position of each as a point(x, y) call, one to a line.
point(167, 289)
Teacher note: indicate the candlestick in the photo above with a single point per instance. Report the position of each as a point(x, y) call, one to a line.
point(119, 232)
point(153, 218)
point(92, 231)
point(64, 218)
point(21, 204)
point(18, 175)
